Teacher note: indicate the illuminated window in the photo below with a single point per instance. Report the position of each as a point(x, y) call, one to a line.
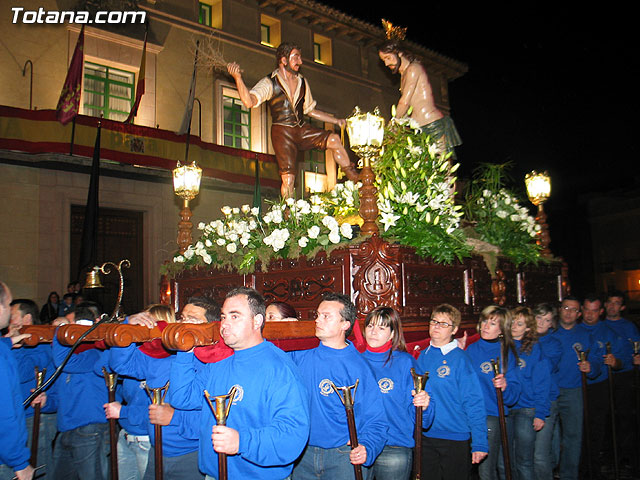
point(108, 91)
point(237, 123)
point(269, 31)
point(204, 16)
point(210, 13)
point(322, 49)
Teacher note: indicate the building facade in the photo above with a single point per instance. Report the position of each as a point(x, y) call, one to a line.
point(44, 166)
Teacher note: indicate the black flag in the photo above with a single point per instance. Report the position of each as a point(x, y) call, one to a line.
point(89, 244)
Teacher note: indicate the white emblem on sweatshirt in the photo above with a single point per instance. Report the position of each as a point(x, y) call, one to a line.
point(325, 387)
point(239, 394)
point(385, 384)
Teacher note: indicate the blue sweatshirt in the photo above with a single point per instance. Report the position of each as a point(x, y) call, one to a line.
point(14, 452)
point(552, 351)
point(481, 353)
point(134, 413)
point(629, 333)
point(131, 362)
point(602, 334)
point(270, 410)
point(535, 379)
point(460, 412)
point(343, 367)
point(27, 359)
point(395, 383)
point(81, 387)
point(569, 375)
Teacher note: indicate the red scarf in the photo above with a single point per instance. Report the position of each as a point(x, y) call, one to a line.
point(384, 348)
point(154, 348)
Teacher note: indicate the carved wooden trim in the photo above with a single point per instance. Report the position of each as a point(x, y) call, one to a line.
point(123, 335)
point(39, 334)
point(376, 271)
point(498, 288)
point(185, 336)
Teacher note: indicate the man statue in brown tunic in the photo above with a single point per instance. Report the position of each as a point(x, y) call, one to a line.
point(416, 94)
point(289, 99)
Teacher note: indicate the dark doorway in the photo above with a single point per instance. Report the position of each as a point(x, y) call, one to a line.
point(119, 237)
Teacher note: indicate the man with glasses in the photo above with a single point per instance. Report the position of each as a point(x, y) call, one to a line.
point(570, 369)
point(458, 436)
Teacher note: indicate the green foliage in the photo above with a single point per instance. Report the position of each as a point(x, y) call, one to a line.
point(415, 195)
point(500, 218)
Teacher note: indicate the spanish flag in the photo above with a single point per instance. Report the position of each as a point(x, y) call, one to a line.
point(69, 103)
point(140, 84)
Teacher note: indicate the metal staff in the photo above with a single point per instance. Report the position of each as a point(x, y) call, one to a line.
point(503, 423)
point(221, 413)
point(419, 381)
point(157, 398)
point(35, 433)
point(347, 399)
point(110, 379)
point(582, 357)
point(612, 409)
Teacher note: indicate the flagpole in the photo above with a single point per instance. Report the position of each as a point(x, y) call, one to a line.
point(73, 135)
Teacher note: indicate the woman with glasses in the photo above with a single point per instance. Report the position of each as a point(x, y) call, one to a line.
point(533, 407)
point(495, 345)
point(386, 353)
point(458, 436)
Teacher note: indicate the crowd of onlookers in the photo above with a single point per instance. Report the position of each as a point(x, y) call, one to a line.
point(286, 418)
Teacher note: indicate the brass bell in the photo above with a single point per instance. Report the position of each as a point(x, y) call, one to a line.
point(93, 279)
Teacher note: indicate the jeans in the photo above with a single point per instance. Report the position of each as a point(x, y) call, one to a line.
point(182, 467)
point(326, 463)
point(133, 456)
point(46, 434)
point(394, 463)
point(492, 467)
point(570, 414)
point(81, 453)
point(524, 440)
point(543, 459)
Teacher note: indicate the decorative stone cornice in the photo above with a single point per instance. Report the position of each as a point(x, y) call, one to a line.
point(339, 24)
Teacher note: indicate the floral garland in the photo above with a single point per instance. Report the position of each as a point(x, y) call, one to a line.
point(288, 230)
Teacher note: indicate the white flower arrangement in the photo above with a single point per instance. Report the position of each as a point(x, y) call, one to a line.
point(288, 229)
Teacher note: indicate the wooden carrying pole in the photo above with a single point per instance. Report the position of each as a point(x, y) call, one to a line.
point(347, 399)
point(110, 379)
point(419, 381)
point(582, 357)
point(221, 413)
point(503, 424)
point(35, 433)
point(612, 411)
point(157, 398)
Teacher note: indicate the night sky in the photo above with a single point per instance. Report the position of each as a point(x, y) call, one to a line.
point(548, 88)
